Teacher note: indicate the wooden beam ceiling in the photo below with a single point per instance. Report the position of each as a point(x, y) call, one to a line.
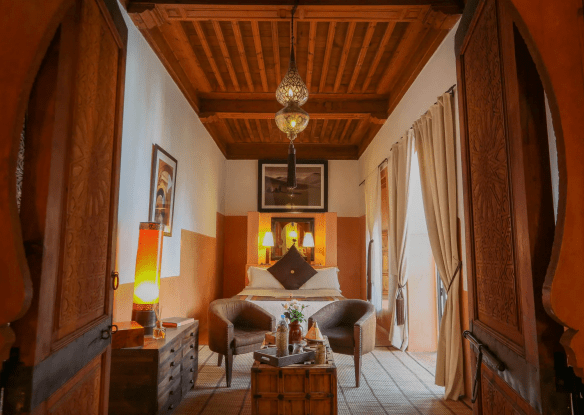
point(358, 58)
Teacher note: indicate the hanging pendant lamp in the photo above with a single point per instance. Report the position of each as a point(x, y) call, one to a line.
point(292, 120)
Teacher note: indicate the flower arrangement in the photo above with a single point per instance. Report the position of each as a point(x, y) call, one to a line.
point(294, 311)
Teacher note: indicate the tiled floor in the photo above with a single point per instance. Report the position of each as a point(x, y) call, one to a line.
point(392, 382)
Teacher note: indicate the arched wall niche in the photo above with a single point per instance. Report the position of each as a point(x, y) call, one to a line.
point(554, 34)
point(27, 29)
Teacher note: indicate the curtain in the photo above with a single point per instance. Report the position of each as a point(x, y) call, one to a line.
point(435, 143)
point(374, 252)
point(400, 159)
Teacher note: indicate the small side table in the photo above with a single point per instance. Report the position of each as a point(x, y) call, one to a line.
point(295, 389)
point(153, 379)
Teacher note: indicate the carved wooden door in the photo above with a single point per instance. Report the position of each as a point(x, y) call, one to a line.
point(509, 212)
point(68, 211)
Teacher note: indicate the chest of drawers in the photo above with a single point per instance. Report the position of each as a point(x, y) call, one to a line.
point(154, 378)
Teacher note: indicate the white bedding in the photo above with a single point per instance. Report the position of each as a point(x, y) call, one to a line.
point(275, 307)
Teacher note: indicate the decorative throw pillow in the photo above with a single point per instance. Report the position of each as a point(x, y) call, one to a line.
point(325, 279)
point(261, 278)
point(292, 270)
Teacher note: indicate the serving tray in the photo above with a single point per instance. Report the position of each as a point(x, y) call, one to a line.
point(268, 356)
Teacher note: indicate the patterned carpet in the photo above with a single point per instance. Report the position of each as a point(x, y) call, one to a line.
point(392, 382)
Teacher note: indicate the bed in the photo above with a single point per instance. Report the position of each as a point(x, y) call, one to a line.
point(268, 292)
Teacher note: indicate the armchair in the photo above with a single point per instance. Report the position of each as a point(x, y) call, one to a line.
point(237, 327)
point(350, 327)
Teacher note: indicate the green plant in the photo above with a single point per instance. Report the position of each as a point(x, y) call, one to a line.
point(294, 311)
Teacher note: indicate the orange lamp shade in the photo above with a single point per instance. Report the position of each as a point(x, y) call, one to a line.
point(148, 259)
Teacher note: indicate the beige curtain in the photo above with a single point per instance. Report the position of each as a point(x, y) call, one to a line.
point(400, 160)
point(374, 252)
point(435, 143)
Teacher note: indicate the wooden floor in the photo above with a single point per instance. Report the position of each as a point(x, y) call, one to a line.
point(393, 382)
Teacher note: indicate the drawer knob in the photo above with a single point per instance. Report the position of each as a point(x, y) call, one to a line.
point(192, 369)
point(171, 364)
point(171, 378)
point(171, 406)
point(191, 381)
point(192, 346)
point(171, 393)
point(192, 334)
point(171, 350)
point(192, 357)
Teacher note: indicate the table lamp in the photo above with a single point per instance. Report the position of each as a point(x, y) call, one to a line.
point(147, 281)
point(268, 242)
point(308, 242)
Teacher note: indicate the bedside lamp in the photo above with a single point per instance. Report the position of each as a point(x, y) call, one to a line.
point(147, 281)
point(308, 242)
point(268, 242)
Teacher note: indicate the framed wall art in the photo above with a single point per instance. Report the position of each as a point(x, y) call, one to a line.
point(311, 194)
point(162, 188)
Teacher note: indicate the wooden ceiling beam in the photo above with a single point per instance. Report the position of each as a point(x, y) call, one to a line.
point(323, 130)
point(249, 131)
point(327, 55)
point(255, 28)
point(276, 51)
point(210, 116)
point(380, 50)
point(333, 137)
point(360, 12)
point(344, 133)
point(255, 151)
point(225, 52)
point(179, 43)
point(359, 132)
point(344, 55)
point(209, 54)
point(260, 132)
point(412, 36)
point(332, 106)
point(362, 54)
point(242, 54)
point(311, 45)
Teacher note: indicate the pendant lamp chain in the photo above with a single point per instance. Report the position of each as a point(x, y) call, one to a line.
point(292, 93)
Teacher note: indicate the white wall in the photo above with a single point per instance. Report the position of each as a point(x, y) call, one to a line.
point(155, 111)
point(241, 188)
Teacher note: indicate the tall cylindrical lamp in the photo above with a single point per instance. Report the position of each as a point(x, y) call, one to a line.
point(147, 281)
point(308, 242)
point(268, 242)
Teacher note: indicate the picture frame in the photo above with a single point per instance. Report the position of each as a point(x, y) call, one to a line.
point(311, 194)
point(162, 188)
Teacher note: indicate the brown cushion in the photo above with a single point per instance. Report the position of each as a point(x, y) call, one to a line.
point(292, 270)
point(245, 336)
point(340, 336)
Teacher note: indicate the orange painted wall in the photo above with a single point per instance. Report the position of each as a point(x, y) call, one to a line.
point(235, 255)
point(350, 239)
point(200, 280)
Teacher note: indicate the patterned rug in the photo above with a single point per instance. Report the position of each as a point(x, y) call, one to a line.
point(392, 382)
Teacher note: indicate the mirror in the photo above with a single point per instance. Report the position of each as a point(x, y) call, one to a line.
point(289, 231)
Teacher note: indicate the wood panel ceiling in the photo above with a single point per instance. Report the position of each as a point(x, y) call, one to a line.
point(357, 61)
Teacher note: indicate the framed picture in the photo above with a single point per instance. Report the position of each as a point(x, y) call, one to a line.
point(310, 195)
point(162, 188)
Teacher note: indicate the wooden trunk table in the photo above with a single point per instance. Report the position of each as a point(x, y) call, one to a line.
point(294, 390)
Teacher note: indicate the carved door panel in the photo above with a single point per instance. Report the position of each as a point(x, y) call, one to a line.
point(72, 139)
point(508, 206)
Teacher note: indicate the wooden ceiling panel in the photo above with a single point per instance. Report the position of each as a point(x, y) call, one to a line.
point(358, 59)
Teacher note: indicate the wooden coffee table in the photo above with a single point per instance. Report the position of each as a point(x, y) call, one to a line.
point(299, 389)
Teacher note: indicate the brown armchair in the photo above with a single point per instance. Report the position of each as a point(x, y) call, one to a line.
point(237, 327)
point(350, 328)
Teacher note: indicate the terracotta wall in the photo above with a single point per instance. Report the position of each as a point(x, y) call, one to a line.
point(200, 280)
point(350, 258)
point(235, 255)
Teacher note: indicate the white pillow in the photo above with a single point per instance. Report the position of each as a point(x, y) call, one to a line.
point(325, 278)
point(262, 278)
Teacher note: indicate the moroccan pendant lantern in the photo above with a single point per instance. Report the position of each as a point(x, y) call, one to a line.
point(292, 120)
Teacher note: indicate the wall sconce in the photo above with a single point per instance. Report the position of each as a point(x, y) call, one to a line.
point(147, 281)
point(308, 242)
point(268, 242)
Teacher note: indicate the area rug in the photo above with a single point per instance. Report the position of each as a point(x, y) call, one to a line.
point(392, 382)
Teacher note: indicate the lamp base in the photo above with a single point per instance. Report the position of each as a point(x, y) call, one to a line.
point(146, 318)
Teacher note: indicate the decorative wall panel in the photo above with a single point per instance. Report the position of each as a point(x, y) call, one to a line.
point(496, 288)
point(85, 251)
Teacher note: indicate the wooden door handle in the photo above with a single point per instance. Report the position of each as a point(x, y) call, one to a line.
point(115, 280)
